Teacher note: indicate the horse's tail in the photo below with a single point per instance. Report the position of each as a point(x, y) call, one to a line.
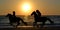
point(50, 20)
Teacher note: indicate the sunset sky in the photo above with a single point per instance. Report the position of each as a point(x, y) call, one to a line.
point(26, 7)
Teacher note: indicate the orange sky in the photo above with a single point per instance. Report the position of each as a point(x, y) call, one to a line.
point(46, 7)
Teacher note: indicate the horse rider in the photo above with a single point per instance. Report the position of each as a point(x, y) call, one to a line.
point(38, 13)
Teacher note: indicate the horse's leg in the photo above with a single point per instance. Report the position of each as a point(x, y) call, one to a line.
point(50, 21)
point(43, 23)
point(34, 23)
point(10, 22)
point(18, 22)
point(23, 22)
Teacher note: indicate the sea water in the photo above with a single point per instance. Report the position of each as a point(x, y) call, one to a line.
point(4, 21)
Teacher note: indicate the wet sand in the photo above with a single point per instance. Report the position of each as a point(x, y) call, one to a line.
point(32, 28)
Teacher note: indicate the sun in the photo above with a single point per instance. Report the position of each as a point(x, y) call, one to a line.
point(26, 7)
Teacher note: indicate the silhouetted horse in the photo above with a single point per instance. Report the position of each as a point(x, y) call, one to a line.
point(15, 19)
point(40, 19)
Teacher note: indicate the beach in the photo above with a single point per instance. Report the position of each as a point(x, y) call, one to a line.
point(31, 28)
point(4, 24)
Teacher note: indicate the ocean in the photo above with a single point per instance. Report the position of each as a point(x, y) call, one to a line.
point(4, 21)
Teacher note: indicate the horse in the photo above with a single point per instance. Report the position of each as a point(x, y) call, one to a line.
point(15, 20)
point(40, 19)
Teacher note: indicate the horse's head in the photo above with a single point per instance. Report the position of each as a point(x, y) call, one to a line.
point(8, 15)
point(33, 13)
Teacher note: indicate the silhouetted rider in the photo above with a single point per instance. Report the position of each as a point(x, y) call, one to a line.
point(38, 13)
point(17, 18)
point(13, 13)
point(14, 17)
